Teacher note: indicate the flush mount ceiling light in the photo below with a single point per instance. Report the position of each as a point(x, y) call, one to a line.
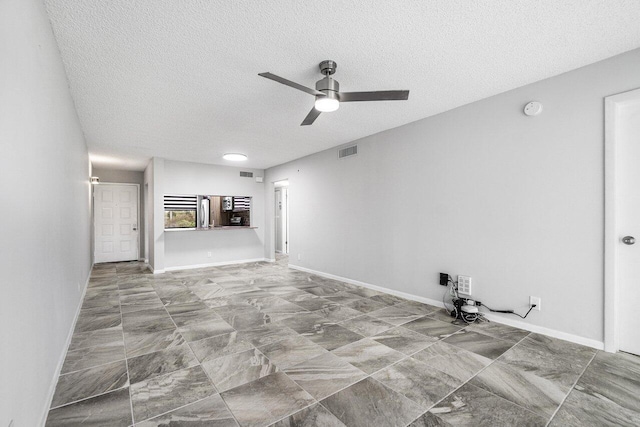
point(235, 157)
point(328, 95)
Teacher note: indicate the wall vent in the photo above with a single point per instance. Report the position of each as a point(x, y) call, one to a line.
point(349, 151)
point(246, 174)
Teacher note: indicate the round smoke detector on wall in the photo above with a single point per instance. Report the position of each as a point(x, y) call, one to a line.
point(533, 108)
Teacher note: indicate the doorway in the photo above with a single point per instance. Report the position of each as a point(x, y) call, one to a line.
point(282, 217)
point(622, 221)
point(116, 222)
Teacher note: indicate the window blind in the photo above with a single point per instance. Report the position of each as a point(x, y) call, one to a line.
point(174, 202)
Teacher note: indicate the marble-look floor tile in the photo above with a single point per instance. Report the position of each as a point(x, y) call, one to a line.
point(432, 327)
point(366, 325)
point(171, 391)
point(177, 296)
point(368, 355)
point(366, 305)
point(496, 330)
point(370, 403)
point(614, 377)
point(363, 292)
point(416, 307)
point(324, 375)
point(417, 381)
point(291, 351)
point(237, 369)
point(266, 400)
point(210, 411)
point(92, 319)
point(218, 346)
point(100, 299)
point(583, 409)
point(176, 309)
point(404, 340)
point(90, 382)
point(93, 356)
point(452, 360)
point(337, 313)
point(481, 344)
point(304, 322)
point(102, 337)
point(522, 387)
point(331, 336)
point(306, 300)
point(277, 308)
point(266, 334)
point(197, 316)
point(249, 319)
point(151, 320)
point(160, 362)
point(555, 360)
point(111, 409)
point(199, 331)
point(343, 297)
point(445, 316)
point(472, 406)
point(388, 299)
point(394, 315)
point(141, 342)
point(140, 301)
point(313, 416)
point(323, 291)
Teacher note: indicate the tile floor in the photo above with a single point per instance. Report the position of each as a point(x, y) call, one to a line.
point(264, 345)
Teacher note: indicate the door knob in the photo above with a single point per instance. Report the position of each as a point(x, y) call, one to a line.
point(628, 240)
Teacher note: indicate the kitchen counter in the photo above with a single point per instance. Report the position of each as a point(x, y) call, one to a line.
point(216, 228)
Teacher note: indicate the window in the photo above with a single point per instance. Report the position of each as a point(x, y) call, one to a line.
point(180, 211)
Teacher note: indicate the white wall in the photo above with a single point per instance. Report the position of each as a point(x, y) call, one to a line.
point(45, 227)
point(189, 248)
point(127, 177)
point(516, 202)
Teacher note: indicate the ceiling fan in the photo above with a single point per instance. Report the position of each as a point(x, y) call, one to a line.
point(328, 95)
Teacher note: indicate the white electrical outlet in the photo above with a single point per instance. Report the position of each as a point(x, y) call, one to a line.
point(208, 254)
point(537, 301)
point(299, 257)
point(464, 285)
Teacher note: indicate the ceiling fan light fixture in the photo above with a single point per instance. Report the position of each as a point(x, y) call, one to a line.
point(327, 104)
point(235, 157)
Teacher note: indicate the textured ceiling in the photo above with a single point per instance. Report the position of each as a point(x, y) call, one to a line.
point(179, 78)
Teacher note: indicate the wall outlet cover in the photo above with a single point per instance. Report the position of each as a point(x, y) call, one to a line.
point(444, 279)
point(537, 301)
point(464, 285)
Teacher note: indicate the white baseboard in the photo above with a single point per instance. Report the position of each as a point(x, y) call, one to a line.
point(213, 264)
point(150, 267)
point(54, 380)
point(599, 345)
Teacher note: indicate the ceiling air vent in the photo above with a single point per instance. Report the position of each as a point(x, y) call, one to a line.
point(349, 151)
point(246, 174)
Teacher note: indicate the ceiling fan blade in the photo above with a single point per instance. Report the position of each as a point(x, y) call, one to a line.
point(291, 84)
point(311, 117)
point(381, 95)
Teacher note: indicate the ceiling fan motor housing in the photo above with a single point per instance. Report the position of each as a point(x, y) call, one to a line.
point(327, 84)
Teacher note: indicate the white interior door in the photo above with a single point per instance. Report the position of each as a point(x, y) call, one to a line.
point(285, 219)
point(628, 224)
point(115, 222)
point(278, 215)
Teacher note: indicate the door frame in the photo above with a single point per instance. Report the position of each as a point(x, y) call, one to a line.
point(611, 241)
point(93, 222)
point(273, 222)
